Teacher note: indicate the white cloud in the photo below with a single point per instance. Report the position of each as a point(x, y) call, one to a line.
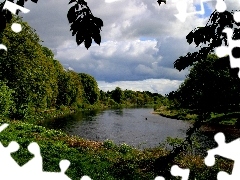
point(140, 39)
point(110, 1)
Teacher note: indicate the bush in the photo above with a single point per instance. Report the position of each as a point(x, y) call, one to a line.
point(6, 100)
point(108, 144)
point(124, 148)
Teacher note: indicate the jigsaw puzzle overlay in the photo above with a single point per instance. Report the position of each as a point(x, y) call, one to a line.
point(182, 8)
point(220, 7)
point(34, 170)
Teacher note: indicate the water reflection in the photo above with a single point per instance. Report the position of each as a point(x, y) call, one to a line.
point(122, 126)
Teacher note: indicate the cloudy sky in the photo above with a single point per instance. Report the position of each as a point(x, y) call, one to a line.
point(140, 41)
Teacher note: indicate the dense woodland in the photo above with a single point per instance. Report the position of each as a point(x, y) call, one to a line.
point(33, 81)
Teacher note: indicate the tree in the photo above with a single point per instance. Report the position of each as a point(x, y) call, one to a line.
point(90, 86)
point(117, 95)
point(84, 25)
point(70, 89)
point(208, 38)
point(6, 100)
point(27, 68)
point(210, 86)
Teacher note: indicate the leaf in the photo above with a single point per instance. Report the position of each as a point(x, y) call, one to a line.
point(20, 3)
point(160, 1)
point(98, 22)
point(7, 14)
point(88, 41)
point(189, 37)
point(77, 6)
point(2, 22)
point(97, 38)
point(79, 38)
point(71, 1)
point(71, 14)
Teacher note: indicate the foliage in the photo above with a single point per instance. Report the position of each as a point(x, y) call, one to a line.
point(93, 159)
point(208, 38)
point(90, 86)
point(83, 24)
point(117, 95)
point(109, 144)
point(210, 86)
point(70, 89)
point(6, 100)
point(26, 68)
point(124, 148)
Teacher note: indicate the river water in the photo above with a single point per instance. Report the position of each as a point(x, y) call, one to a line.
point(138, 127)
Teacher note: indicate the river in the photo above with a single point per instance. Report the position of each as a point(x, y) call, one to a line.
point(138, 127)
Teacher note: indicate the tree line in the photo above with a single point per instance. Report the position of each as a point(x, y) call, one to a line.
point(32, 80)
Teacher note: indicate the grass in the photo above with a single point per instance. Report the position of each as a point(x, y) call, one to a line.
point(185, 114)
point(174, 113)
point(99, 160)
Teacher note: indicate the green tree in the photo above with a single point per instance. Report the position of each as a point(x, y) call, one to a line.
point(6, 100)
point(90, 86)
point(117, 95)
point(210, 86)
point(27, 69)
point(70, 89)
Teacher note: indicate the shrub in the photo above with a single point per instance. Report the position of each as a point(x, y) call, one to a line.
point(124, 148)
point(108, 144)
point(6, 99)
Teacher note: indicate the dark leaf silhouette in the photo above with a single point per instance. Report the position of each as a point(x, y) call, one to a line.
point(161, 1)
point(71, 14)
point(82, 22)
point(97, 38)
point(211, 35)
point(88, 41)
point(84, 25)
point(71, 1)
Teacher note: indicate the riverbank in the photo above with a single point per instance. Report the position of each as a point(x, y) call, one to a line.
point(99, 160)
point(185, 114)
point(173, 113)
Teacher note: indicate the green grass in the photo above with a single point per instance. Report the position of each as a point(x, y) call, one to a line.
point(99, 160)
point(184, 114)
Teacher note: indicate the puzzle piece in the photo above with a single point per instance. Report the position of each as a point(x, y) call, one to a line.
point(228, 150)
point(182, 8)
point(177, 171)
point(223, 50)
point(10, 169)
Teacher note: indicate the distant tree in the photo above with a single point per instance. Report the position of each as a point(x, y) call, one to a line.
point(117, 95)
point(70, 89)
point(90, 86)
point(102, 96)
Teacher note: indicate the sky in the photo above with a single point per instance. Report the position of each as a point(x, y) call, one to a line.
point(140, 41)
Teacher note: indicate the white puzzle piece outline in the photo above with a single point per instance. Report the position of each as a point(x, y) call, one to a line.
point(177, 171)
point(10, 169)
point(182, 8)
point(12, 7)
point(230, 151)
